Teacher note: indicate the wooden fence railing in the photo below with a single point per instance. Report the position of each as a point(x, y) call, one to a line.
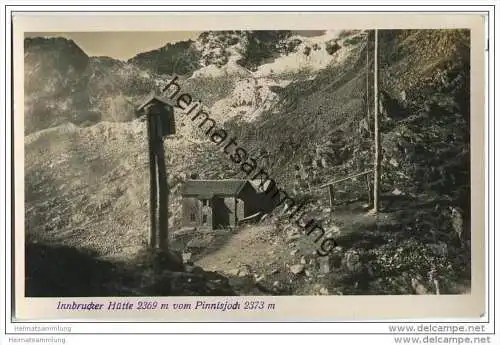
point(331, 191)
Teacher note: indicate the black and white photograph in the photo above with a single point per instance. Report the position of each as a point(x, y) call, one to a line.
point(247, 163)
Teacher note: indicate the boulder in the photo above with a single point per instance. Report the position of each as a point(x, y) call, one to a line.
point(394, 163)
point(297, 269)
point(352, 261)
point(259, 278)
point(396, 192)
point(244, 271)
point(233, 271)
point(186, 257)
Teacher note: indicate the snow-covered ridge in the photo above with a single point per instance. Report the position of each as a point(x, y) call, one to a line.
point(252, 94)
point(221, 53)
point(312, 55)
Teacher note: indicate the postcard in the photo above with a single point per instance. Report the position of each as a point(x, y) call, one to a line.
point(249, 167)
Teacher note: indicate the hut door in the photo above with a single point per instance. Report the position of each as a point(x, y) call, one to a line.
point(220, 213)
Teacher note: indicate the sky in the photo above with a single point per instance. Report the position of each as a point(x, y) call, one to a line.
point(124, 45)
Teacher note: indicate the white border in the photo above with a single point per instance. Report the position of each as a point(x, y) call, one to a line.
point(224, 327)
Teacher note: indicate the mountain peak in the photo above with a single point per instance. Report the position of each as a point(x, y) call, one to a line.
point(57, 44)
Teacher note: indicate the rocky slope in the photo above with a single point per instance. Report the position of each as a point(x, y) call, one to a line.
point(301, 100)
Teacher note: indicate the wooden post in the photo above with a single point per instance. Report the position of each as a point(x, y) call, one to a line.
point(331, 195)
point(376, 175)
point(152, 176)
point(368, 84)
point(367, 178)
point(163, 187)
point(369, 189)
point(160, 123)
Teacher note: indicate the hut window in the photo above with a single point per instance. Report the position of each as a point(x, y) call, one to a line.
point(193, 217)
point(204, 219)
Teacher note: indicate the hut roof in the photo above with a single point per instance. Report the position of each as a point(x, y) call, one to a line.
point(210, 188)
point(154, 98)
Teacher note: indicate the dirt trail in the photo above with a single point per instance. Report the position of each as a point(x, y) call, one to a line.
point(262, 249)
point(253, 246)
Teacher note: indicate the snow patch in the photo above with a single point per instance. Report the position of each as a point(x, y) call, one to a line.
point(229, 69)
point(250, 99)
point(310, 56)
